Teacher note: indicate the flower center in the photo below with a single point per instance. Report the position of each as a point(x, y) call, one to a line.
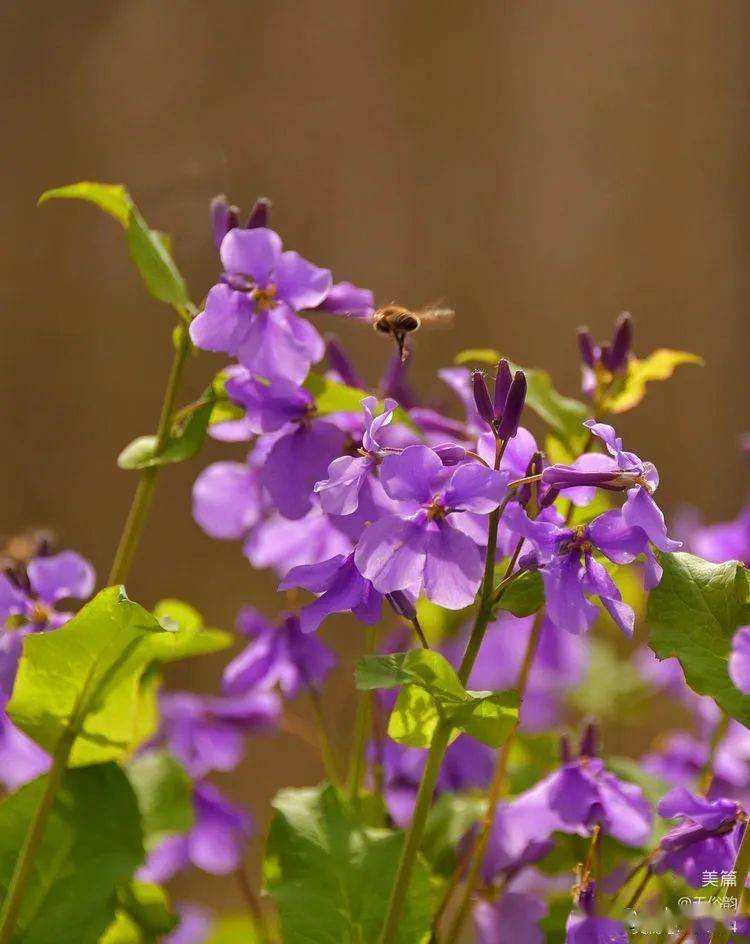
point(436, 510)
point(40, 614)
point(264, 298)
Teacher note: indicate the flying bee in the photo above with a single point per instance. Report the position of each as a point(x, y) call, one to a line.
point(400, 322)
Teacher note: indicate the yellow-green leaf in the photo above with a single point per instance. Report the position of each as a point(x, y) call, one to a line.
point(659, 365)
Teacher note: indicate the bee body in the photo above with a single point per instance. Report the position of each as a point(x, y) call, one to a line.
point(400, 322)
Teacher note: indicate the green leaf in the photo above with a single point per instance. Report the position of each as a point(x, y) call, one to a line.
point(165, 795)
point(186, 634)
point(477, 355)
point(333, 397)
point(432, 691)
point(524, 596)
point(185, 440)
point(659, 365)
point(451, 816)
point(144, 915)
point(234, 929)
point(92, 843)
point(148, 248)
point(86, 678)
point(331, 877)
point(693, 615)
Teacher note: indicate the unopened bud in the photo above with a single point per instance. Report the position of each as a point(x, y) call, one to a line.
point(590, 740)
point(503, 380)
point(259, 213)
point(223, 218)
point(586, 347)
point(618, 353)
point(482, 397)
point(401, 604)
point(508, 425)
point(450, 453)
point(339, 361)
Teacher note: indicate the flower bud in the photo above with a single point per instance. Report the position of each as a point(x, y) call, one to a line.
point(503, 380)
point(586, 347)
point(339, 361)
point(590, 746)
point(617, 355)
point(482, 397)
point(223, 218)
point(259, 213)
point(401, 604)
point(450, 453)
point(508, 425)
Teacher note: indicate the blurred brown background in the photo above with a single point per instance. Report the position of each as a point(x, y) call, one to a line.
point(536, 164)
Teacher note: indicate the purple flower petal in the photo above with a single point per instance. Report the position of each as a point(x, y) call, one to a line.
point(616, 539)
point(217, 842)
point(252, 252)
point(413, 475)
point(474, 487)
point(641, 511)
point(513, 919)
point(300, 283)
point(391, 554)
point(226, 500)
point(567, 605)
point(296, 462)
point(339, 493)
point(453, 568)
point(224, 322)
point(61, 576)
point(596, 931)
point(739, 661)
point(374, 424)
point(279, 344)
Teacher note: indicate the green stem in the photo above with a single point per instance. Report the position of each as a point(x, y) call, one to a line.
point(707, 774)
point(361, 730)
point(326, 750)
point(25, 862)
point(442, 734)
point(139, 508)
point(741, 868)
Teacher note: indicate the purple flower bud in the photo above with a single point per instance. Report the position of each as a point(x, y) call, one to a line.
point(586, 347)
point(508, 425)
point(617, 355)
point(503, 381)
point(549, 498)
point(482, 397)
point(401, 604)
point(590, 741)
point(259, 214)
point(566, 755)
point(587, 898)
point(450, 453)
point(223, 218)
point(339, 361)
point(523, 495)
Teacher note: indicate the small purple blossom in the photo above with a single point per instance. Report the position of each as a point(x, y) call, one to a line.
point(512, 919)
point(207, 734)
point(194, 927)
point(215, 844)
point(425, 546)
point(611, 358)
point(341, 589)
point(278, 655)
point(251, 313)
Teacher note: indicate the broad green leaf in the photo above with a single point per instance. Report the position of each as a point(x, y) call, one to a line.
point(185, 440)
point(331, 877)
point(144, 915)
point(451, 816)
point(148, 248)
point(234, 929)
point(564, 415)
point(165, 795)
point(91, 844)
point(524, 596)
point(186, 634)
point(87, 678)
point(693, 615)
point(432, 691)
point(332, 397)
point(629, 390)
point(477, 355)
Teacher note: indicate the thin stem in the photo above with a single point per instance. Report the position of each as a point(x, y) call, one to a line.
point(741, 868)
point(496, 787)
point(361, 730)
point(141, 503)
point(326, 751)
point(442, 733)
point(707, 774)
point(641, 888)
point(253, 904)
point(420, 632)
point(25, 862)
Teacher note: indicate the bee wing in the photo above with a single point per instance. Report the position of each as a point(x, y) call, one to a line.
point(437, 317)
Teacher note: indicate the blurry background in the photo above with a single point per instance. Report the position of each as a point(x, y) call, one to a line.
point(537, 165)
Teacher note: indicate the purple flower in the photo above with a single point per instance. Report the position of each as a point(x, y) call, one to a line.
point(283, 544)
point(349, 300)
point(681, 759)
point(583, 930)
point(215, 844)
point(619, 471)
point(194, 927)
point(608, 358)
point(739, 661)
point(729, 540)
point(228, 499)
point(208, 734)
point(513, 919)
point(277, 655)
point(520, 836)
point(706, 838)
point(569, 570)
point(426, 547)
point(225, 217)
point(341, 587)
point(250, 313)
point(21, 760)
point(339, 493)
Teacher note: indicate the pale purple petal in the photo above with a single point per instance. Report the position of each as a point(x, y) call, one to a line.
point(12, 600)
point(21, 760)
point(314, 577)
point(607, 435)
point(453, 568)
point(374, 424)
point(268, 406)
point(164, 861)
point(616, 539)
point(339, 493)
point(300, 283)
point(641, 511)
point(474, 487)
point(217, 842)
point(276, 346)
point(513, 919)
point(391, 554)
point(226, 500)
point(224, 322)
point(598, 582)
point(296, 462)
point(194, 927)
point(283, 544)
point(596, 931)
point(413, 475)
point(254, 252)
point(61, 576)
point(347, 299)
point(567, 605)
point(739, 661)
